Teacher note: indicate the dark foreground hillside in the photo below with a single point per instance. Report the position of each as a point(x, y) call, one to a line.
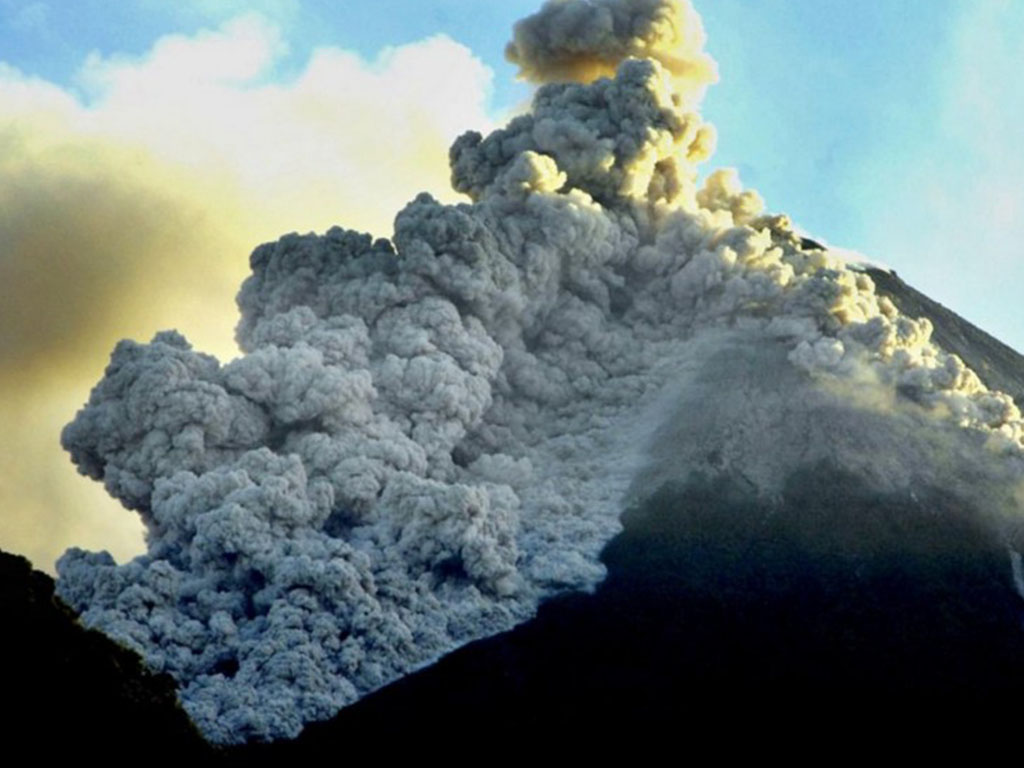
point(68, 690)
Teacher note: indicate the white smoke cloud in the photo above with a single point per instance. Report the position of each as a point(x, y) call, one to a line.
point(132, 209)
point(426, 435)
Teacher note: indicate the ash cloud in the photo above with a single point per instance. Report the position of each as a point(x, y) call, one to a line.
point(583, 40)
point(427, 435)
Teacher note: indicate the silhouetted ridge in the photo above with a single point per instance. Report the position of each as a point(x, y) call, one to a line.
point(67, 689)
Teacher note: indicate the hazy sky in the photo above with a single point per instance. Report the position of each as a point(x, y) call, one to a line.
point(148, 145)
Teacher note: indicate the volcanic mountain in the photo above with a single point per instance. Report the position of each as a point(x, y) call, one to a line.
point(639, 446)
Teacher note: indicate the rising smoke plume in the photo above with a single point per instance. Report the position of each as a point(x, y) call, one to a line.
point(428, 434)
point(583, 40)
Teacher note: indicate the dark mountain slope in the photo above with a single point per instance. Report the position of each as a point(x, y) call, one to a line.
point(69, 690)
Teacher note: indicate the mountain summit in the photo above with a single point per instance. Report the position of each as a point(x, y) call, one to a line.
point(428, 436)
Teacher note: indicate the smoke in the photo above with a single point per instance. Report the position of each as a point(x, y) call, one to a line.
point(427, 434)
point(131, 208)
point(582, 40)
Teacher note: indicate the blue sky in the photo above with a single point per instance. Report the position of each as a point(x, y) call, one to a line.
point(148, 145)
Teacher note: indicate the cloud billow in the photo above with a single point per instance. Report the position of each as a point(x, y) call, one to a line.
point(582, 40)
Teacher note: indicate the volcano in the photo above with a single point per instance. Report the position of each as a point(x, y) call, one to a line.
point(605, 443)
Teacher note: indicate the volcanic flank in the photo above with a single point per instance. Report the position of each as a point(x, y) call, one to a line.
point(427, 436)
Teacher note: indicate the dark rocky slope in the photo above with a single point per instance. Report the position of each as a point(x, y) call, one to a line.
point(69, 690)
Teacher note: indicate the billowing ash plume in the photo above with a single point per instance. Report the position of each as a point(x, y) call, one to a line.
point(583, 40)
point(427, 435)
